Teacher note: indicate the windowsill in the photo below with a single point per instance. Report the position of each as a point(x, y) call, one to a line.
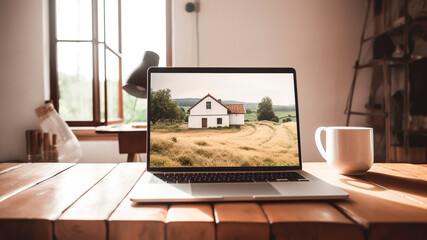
point(89, 134)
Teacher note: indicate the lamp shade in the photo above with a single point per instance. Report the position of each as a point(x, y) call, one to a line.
point(136, 85)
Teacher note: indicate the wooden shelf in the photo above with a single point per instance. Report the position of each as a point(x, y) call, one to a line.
point(379, 62)
point(415, 22)
point(375, 114)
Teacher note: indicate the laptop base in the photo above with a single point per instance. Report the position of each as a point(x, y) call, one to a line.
point(313, 189)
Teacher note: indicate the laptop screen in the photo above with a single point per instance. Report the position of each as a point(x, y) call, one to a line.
point(222, 119)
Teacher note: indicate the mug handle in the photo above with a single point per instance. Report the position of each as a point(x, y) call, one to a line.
point(319, 141)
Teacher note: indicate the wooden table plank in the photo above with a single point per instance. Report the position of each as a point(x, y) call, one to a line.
point(310, 220)
point(19, 179)
point(414, 170)
point(190, 221)
point(5, 167)
point(403, 183)
point(30, 213)
point(86, 218)
point(385, 214)
point(244, 221)
point(133, 221)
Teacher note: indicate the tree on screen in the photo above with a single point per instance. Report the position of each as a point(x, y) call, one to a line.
point(162, 107)
point(265, 110)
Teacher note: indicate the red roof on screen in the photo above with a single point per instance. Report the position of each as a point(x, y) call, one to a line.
point(236, 108)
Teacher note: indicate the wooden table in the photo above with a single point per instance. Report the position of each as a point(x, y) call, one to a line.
point(90, 201)
point(132, 140)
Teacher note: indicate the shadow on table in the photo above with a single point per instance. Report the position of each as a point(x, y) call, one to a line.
point(355, 182)
point(402, 184)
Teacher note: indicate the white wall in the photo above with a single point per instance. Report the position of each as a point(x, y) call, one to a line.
point(200, 111)
point(216, 108)
point(23, 72)
point(237, 119)
point(211, 121)
point(320, 39)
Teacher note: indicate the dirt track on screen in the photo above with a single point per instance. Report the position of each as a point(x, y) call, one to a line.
point(260, 143)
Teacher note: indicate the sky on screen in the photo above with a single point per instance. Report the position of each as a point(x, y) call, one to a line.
point(231, 86)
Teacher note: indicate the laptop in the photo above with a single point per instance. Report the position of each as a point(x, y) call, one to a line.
point(225, 134)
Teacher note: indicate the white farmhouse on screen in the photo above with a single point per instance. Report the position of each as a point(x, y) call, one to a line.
point(209, 112)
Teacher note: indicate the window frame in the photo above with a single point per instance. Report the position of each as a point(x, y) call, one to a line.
point(53, 64)
point(219, 121)
point(208, 105)
point(54, 80)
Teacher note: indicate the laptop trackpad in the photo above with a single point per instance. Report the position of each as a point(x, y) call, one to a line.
point(233, 189)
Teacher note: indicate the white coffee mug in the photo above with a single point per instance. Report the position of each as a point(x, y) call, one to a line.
point(349, 150)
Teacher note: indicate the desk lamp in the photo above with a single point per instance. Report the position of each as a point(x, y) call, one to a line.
point(136, 84)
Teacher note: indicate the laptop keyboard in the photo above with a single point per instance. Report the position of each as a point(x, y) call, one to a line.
point(225, 177)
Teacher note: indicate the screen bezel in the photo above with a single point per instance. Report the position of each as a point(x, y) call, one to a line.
point(220, 70)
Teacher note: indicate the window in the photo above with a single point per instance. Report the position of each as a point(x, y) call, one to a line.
point(87, 63)
point(219, 121)
point(208, 105)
